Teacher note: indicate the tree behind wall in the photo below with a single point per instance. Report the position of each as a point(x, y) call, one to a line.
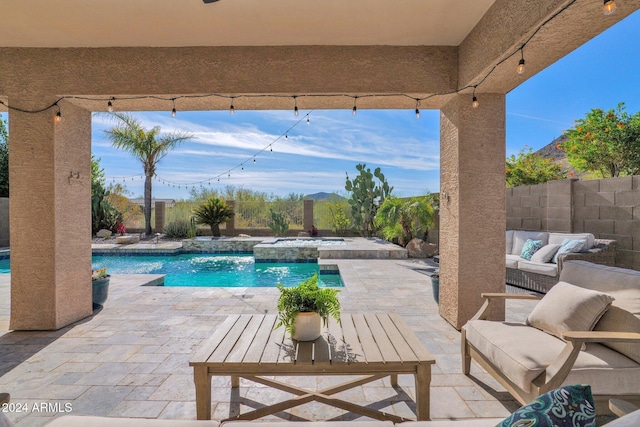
point(607, 143)
point(148, 146)
point(529, 168)
point(4, 158)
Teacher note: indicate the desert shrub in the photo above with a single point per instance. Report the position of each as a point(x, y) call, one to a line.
point(178, 229)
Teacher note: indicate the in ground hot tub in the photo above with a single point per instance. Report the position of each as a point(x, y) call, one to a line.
point(292, 250)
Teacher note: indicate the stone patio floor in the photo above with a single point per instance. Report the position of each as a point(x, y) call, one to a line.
point(130, 359)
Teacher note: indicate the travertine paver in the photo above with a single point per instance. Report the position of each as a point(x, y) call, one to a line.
point(131, 358)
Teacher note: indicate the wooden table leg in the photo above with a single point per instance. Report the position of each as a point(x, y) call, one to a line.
point(203, 392)
point(423, 385)
point(394, 379)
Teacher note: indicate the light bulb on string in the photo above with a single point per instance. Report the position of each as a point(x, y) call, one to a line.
point(308, 121)
point(232, 109)
point(417, 108)
point(474, 101)
point(354, 110)
point(58, 117)
point(173, 110)
point(270, 148)
point(609, 7)
point(254, 160)
point(520, 67)
point(286, 136)
point(295, 107)
point(110, 105)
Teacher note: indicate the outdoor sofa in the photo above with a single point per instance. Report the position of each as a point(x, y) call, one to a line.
point(586, 329)
point(543, 270)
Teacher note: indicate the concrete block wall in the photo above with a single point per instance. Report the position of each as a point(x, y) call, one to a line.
point(607, 208)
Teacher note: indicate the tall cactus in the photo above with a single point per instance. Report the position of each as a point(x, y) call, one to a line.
point(366, 196)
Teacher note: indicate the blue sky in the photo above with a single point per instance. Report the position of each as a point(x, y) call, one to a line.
point(315, 157)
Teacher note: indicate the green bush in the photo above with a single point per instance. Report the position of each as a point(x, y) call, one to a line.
point(178, 229)
point(213, 212)
point(278, 224)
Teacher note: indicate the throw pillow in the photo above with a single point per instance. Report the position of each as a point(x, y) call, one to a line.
point(530, 247)
point(569, 246)
point(567, 307)
point(545, 253)
point(570, 406)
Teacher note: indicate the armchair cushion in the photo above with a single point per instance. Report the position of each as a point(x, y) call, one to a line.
point(566, 406)
point(522, 353)
point(619, 320)
point(569, 308)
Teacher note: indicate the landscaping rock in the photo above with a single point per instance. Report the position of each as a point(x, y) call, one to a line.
point(418, 248)
point(123, 240)
point(104, 233)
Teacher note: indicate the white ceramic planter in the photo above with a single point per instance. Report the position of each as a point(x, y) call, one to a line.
point(307, 326)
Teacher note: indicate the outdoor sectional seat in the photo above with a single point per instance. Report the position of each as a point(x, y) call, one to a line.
point(531, 358)
point(541, 276)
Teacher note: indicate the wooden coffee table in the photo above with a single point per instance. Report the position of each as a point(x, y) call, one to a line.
point(371, 345)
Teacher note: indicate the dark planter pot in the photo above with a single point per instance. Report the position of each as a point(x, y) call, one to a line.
point(100, 291)
point(435, 286)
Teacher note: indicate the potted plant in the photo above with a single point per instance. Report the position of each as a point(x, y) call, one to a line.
point(435, 284)
point(304, 308)
point(100, 286)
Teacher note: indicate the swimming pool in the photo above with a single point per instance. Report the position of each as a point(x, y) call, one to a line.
point(203, 270)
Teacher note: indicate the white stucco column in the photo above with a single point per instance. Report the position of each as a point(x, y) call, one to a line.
point(472, 205)
point(50, 215)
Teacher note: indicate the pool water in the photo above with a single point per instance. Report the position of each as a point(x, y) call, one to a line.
point(210, 270)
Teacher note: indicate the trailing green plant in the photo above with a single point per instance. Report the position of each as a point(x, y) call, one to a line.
point(213, 212)
point(365, 196)
point(307, 297)
point(278, 223)
point(178, 229)
point(405, 219)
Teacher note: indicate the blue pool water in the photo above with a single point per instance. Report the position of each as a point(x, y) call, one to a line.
point(210, 270)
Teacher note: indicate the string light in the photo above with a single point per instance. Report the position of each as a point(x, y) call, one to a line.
point(173, 110)
point(308, 121)
point(474, 101)
point(354, 111)
point(110, 105)
point(254, 160)
point(232, 110)
point(417, 109)
point(295, 106)
point(609, 7)
point(58, 116)
point(520, 67)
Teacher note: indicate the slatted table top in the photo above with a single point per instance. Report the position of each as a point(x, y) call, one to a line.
point(371, 341)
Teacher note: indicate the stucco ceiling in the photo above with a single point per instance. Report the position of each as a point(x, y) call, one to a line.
point(172, 23)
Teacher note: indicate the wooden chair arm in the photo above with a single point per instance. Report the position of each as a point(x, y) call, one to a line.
point(621, 407)
point(559, 369)
point(489, 297)
point(601, 336)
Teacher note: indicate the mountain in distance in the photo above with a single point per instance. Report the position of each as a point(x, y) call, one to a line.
point(552, 151)
point(323, 196)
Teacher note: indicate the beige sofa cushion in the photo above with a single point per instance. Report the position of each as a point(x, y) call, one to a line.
point(619, 320)
point(520, 237)
point(509, 241)
point(558, 238)
point(569, 308)
point(522, 352)
point(547, 269)
point(513, 260)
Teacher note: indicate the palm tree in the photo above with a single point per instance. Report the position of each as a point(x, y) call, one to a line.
point(147, 146)
point(213, 212)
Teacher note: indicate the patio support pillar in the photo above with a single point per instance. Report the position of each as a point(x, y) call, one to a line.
point(50, 215)
point(472, 205)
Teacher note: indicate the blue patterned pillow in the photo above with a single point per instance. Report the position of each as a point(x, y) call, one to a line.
point(530, 247)
point(568, 406)
point(569, 246)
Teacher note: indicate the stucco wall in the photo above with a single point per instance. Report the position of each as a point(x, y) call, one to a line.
point(608, 208)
